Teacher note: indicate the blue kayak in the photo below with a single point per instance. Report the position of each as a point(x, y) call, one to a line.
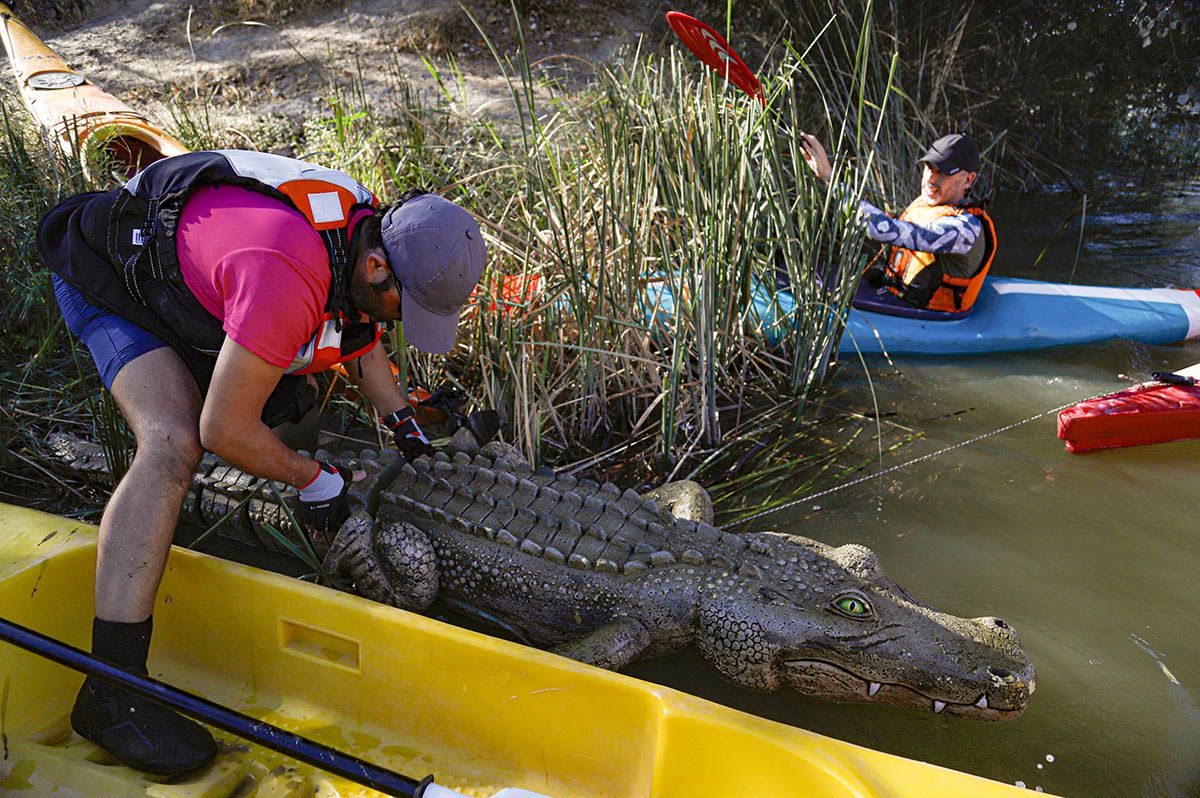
point(1009, 315)
point(1012, 314)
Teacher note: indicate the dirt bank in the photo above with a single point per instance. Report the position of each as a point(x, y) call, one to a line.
point(252, 60)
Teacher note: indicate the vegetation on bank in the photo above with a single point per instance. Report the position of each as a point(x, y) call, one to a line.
point(630, 222)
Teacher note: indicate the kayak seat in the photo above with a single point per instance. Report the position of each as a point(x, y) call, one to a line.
point(881, 300)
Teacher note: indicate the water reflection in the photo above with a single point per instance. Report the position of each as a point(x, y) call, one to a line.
point(1135, 234)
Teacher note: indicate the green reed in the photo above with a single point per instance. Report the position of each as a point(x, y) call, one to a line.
point(656, 211)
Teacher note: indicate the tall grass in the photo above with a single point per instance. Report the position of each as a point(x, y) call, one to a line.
point(44, 382)
point(630, 322)
point(655, 214)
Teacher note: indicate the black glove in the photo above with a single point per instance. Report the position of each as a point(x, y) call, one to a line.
point(324, 511)
point(874, 276)
point(411, 442)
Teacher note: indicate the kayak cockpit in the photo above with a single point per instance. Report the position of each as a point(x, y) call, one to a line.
point(881, 300)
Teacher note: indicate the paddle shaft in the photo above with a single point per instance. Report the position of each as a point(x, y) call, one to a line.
point(256, 731)
point(1171, 378)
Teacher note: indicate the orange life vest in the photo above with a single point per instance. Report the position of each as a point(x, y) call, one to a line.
point(955, 294)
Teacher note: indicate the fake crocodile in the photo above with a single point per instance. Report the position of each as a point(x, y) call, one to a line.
point(607, 576)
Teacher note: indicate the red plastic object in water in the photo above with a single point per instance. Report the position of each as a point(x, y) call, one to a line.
point(711, 48)
point(1144, 414)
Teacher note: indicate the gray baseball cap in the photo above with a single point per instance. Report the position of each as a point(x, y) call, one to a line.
point(437, 253)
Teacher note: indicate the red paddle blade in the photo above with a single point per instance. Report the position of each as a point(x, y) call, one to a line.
point(711, 48)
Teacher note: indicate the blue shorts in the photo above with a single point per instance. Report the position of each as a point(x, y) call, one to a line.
point(112, 340)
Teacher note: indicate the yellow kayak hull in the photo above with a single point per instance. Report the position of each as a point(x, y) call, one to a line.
point(401, 690)
point(81, 118)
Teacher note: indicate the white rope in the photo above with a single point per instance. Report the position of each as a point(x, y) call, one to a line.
point(897, 467)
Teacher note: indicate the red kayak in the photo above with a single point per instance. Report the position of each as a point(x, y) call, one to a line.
point(1153, 412)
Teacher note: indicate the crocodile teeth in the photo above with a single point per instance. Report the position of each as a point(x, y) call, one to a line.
point(982, 702)
point(938, 706)
point(873, 688)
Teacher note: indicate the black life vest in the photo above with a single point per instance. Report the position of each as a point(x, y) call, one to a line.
point(118, 249)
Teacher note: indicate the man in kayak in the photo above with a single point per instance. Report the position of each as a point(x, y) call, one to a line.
point(941, 247)
point(206, 289)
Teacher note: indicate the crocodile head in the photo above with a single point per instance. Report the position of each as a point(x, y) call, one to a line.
point(830, 623)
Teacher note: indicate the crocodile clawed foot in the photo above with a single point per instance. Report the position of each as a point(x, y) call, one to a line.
point(611, 647)
point(391, 563)
point(349, 546)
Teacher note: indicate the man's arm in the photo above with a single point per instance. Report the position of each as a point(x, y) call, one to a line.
point(948, 235)
point(231, 421)
point(372, 375)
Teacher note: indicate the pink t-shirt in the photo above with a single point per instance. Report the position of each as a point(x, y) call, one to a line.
point(257, 265)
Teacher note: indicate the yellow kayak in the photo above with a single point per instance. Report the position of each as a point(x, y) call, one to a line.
point(81, 118)
point(402, 691)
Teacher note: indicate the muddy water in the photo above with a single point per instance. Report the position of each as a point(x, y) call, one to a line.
point(1094, 559)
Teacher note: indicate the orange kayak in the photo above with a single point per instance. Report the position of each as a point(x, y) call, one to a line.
point(82, 119)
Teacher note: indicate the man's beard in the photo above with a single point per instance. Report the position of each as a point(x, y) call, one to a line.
point(367, 298)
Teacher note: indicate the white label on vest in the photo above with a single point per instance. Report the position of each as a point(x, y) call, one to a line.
point(137, 237)
point(326, 207)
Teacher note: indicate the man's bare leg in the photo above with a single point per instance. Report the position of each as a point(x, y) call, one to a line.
point(161, 403)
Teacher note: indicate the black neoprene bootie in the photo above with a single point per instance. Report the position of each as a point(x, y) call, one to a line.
point(139, 732)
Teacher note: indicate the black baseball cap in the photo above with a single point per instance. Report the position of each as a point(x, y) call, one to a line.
point(953, 154)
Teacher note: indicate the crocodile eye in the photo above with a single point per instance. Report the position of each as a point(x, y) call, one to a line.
point(852, 607)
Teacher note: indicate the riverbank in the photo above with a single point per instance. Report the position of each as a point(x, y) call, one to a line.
point(262, 70)
point(589, 186)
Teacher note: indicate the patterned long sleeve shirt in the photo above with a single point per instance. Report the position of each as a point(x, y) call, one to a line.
point(947, 235)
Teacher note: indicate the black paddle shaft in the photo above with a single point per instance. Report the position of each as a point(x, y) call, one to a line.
point(244, 726)
point(1171, 378)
